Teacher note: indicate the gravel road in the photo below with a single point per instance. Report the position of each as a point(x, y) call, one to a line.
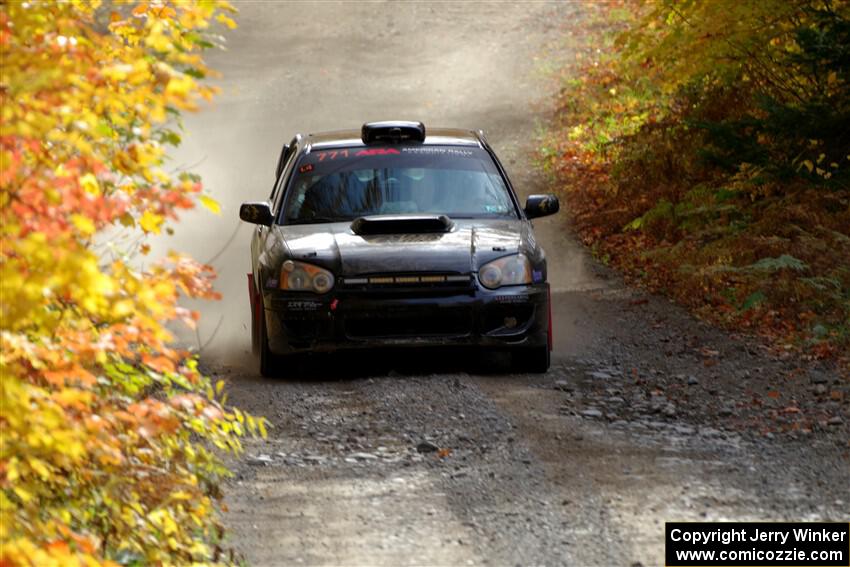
point(647, 415)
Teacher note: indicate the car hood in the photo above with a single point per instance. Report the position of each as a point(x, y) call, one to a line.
point(468, 245)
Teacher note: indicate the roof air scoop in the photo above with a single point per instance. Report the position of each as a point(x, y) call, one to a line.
point(392, 131)
point(401, 224)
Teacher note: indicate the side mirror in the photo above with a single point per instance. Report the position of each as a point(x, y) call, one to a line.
point(281, 160)
point(256, 213)
point(541, 206)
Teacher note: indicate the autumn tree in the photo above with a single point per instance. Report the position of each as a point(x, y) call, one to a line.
point(108, 433)
point(705, 150)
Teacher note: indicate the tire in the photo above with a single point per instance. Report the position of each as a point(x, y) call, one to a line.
point(535, 360)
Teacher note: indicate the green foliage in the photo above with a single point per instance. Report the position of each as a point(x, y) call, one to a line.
point(753, 300)
point(705, 148)
point(784, 262)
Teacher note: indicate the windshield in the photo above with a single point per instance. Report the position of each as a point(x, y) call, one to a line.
point(346, 183)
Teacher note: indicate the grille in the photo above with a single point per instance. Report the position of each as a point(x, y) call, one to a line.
point(305, 329)
point(420, 322)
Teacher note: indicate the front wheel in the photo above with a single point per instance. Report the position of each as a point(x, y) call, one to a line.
point(535, 360)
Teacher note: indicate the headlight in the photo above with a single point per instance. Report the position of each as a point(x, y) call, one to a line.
point(510, 270)
point(298, 276)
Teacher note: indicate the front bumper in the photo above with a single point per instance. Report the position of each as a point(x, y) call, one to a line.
point(515, 316)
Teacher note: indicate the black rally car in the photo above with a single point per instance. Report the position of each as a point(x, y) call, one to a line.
point(391, 237)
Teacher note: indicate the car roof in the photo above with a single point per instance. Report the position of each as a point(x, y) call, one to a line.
point(433, 136)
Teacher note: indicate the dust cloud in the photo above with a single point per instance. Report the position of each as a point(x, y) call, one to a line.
point(231, 174)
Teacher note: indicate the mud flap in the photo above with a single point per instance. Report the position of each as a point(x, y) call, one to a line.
point(255, 313)
point(549, 329)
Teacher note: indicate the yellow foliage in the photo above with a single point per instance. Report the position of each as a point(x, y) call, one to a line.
point(100, 461)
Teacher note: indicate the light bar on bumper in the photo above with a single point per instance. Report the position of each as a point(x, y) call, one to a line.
point(406, 279)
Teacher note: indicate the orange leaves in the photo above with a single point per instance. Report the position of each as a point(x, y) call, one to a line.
point(161, 364)
point(193, 279)
point(74, 374)
point(74, 550)
point(154, 417)
point(141, 9)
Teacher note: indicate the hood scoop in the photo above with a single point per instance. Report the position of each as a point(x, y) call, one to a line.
point(401, 224)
